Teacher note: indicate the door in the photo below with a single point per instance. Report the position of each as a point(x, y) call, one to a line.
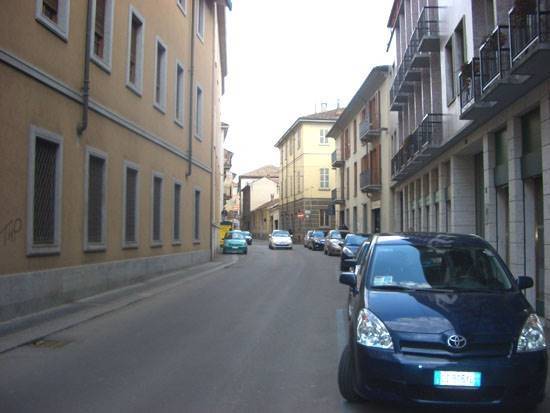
point(539, 246)
point(376, 220)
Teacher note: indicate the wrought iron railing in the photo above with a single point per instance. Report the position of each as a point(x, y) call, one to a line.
point(336, 156)
point(369, 124)
point(428, 134)
point(336, 195)
point(369, 178)
point(469, 80)
point(494, 57)
point(529, 21)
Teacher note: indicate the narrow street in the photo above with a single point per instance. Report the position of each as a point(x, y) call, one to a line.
point(263, 335)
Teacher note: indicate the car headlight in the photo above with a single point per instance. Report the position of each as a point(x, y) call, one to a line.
point(532, 335)
point(348, 252)
point(371, 332)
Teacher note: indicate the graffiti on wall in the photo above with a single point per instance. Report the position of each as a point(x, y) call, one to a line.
point(8, 233)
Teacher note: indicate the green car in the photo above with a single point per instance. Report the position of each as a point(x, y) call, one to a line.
point(235, 241)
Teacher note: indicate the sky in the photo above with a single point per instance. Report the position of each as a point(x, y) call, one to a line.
point(286, 57)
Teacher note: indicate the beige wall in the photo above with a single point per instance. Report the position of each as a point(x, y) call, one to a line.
point(261, 191)
point(24, 101)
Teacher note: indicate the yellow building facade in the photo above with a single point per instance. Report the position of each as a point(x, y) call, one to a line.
point(103, 187)
point(306, 173)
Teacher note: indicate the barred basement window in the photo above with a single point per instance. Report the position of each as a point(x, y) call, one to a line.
point(196, 226)
point(131, 206)
point(44, 192)
point(177, 212)
point(157, 210)
point(95, 200)
point(44, 189)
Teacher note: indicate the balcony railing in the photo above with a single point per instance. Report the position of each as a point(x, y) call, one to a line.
point(494, 57)
point(336, 196)
point(369, 180)
point(337, 158)
point(369, 127)
point(529, 23)
point(470, 84)
point(418, 147)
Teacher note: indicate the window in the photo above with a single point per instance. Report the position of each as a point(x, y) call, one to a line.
point(355, 179)
point(449, 71)
point(197, 217)
point(201, 19)
point(299, 139)
point(136, 26)
point(323, 139)
point(131, 205)
point(102, 33)
point(198, 113)
point(355, 136)
point(179, 94)
point(156, 221)
point(44, 189)
point(94, 191)
point(347, 185)
point(176, 235)
point(324, 182)
point(160, 76)
point(182, 4)
point(54, 15)
point(324, 218)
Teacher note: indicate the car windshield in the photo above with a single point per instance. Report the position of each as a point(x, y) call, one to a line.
point(318, 234)
point(354, 240)
point(246, 233)
point(281, 234)
point(423, 267)
point(336, 235)
point(234, 235)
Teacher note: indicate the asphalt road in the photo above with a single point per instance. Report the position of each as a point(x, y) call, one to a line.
point(264, 335)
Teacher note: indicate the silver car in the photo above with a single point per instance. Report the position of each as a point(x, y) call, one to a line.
point(280, 239)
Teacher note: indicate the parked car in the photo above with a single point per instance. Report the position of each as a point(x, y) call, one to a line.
point(317, 240)
point(306, 238)
point(247, 237)
point(280, 239)
point(350, 247)
point(439, 319)
point(332, 241)
point(235, 242)
point(356, 265)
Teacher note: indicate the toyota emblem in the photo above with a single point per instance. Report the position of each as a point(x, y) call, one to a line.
point(457, 342)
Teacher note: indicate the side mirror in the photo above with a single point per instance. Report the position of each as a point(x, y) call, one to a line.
point(341, 243)
point(349, 279)
point(524, 282)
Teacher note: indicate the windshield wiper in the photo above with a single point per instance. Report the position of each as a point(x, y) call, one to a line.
point(394, 288)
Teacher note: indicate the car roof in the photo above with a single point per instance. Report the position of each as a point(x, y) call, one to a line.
point(435, 239)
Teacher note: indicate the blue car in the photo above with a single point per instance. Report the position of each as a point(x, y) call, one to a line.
point(437, 319)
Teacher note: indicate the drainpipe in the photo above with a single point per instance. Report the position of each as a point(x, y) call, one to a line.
point(191, 91)
point(86, 86)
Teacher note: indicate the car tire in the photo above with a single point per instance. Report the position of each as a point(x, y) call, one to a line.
point(345, 377)
point(245, 251)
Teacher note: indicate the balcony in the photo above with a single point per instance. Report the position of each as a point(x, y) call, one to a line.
point(337, 159)
point(369, 180)
point(369, 128)
point(419, 148)
point(471, 105)
point(529, 24)
point(337, 196)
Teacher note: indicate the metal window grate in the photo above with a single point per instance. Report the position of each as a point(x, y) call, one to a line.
point(96, 177)
point(44, 192)
point(197, 214)
point(177, 212)
point(157, 193)
point(131, 205)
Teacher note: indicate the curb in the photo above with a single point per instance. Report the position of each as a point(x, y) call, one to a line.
point(28, 329)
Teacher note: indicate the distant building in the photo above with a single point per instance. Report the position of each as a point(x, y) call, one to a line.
point(361, 192)
point(306, 173)
point(263, 219)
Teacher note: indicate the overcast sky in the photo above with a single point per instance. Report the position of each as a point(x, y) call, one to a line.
point(287, 56)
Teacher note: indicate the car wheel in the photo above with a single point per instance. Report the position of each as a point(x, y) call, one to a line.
point(245, 251)
point(345, 377)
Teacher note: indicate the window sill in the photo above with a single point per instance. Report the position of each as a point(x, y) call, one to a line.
point(201, 37)
point(52, 27)
point(37, 251)
point(130, 246)
point(198, 137)
point(450, 102)
point(102, 64)
point(323, 144)
point(176, 243)
point(161, 109)
point(179, 123)
point(196, 242)
point(324, 189)
point(184, 11)
point(134, 89)
point(95, 248)
point(156, 244)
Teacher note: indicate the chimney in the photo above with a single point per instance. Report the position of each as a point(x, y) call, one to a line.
point(338, 104)
point(323, 107)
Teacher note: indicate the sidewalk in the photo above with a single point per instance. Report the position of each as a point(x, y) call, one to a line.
point(24, 330)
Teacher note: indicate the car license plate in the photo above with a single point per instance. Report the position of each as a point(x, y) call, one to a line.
point(235, 248)
point(457, 378)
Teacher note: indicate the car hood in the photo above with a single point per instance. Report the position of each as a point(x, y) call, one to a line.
point(467, 313)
